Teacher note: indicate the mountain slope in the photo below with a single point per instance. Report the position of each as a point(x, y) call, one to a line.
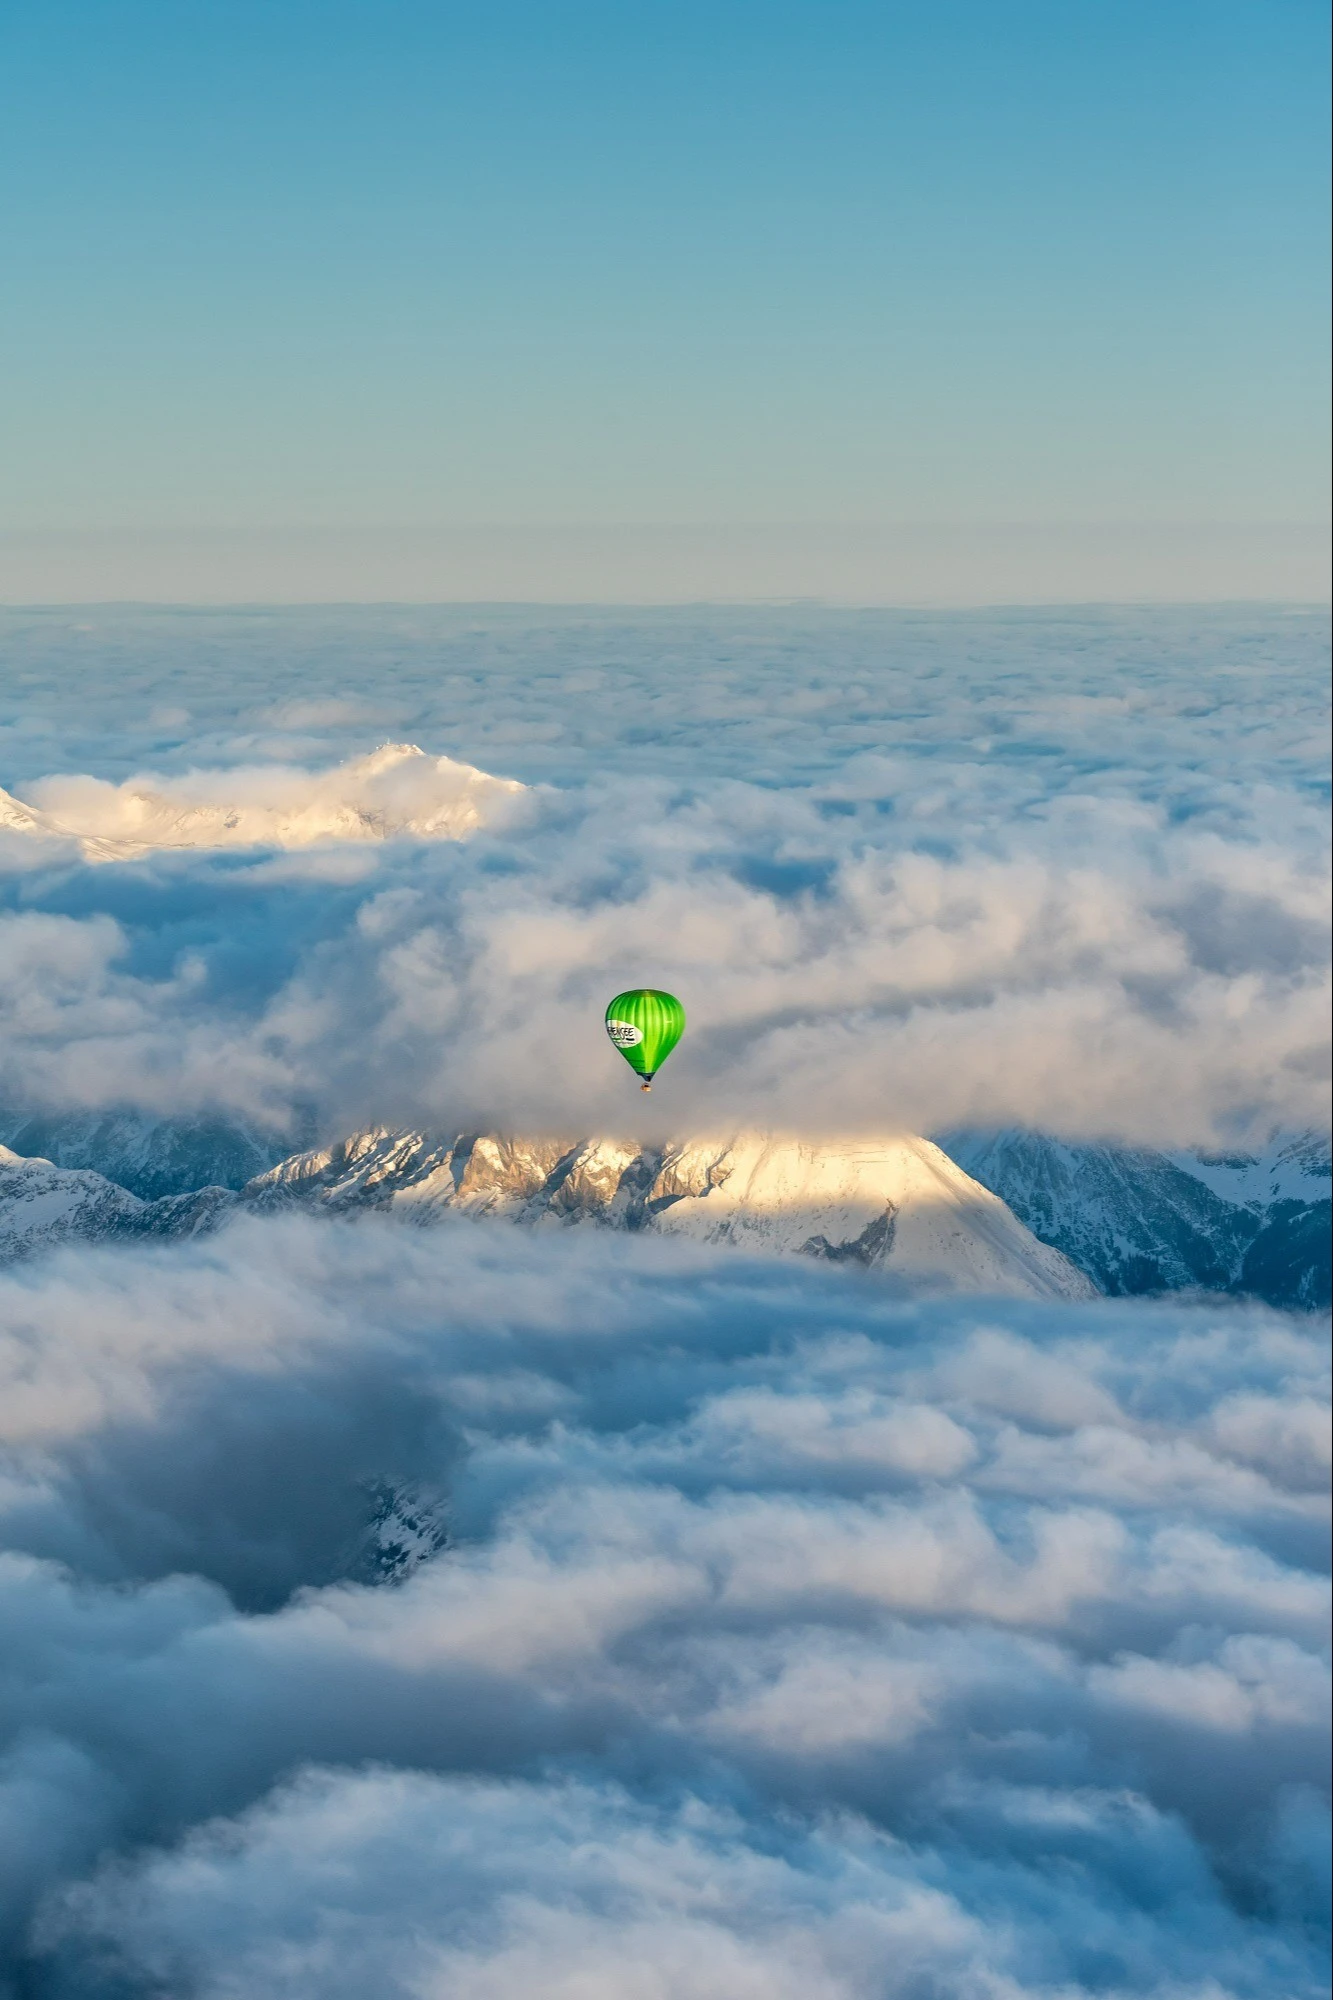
point(150, 1156)
point(1289, 1261)
point(900, 1205)
point(42, 1205)
point(1141, 1221)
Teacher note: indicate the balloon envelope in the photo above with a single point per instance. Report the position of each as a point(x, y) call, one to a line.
point(645, 1026)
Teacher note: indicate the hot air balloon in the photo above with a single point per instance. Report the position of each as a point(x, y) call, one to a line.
point(645, 1026)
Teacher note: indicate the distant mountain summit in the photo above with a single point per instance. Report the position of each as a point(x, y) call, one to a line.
point(396, 792)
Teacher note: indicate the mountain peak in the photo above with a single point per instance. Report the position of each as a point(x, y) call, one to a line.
point(896, 1205)
point(394, 792)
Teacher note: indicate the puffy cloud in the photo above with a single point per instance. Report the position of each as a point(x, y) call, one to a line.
point(750, 1659)
point(429, 1887)
point(81, 1028)
point(478, 1890)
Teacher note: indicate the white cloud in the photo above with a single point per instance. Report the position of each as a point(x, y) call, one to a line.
point(904, 992)
point(481, 1891)
point(733, 1556)
point(905, 874)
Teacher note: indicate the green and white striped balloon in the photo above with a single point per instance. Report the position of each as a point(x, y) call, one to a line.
point(645, 1026)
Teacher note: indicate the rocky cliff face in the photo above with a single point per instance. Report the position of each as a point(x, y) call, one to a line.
point(405, 1525)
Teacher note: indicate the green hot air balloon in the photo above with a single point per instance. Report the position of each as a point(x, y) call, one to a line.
point(645, 1026)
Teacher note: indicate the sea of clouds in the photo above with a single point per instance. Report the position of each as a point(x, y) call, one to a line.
point(905, 872)
point(791, 1638)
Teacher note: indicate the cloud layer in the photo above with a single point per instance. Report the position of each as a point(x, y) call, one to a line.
point(1139, 981)
point(788, 1639)
point(905, 873)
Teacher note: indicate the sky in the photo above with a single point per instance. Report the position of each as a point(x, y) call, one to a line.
point(606, 302)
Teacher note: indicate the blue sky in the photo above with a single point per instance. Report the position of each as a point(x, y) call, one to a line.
point(404, 267)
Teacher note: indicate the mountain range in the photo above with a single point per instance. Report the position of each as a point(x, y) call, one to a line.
point(977, 1211)
point(899, 1206)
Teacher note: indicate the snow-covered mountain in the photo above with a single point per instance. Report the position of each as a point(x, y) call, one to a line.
point(1142, 1221)
point(1130, 1220)
point(150, 1156)
point(396, 792)
point(1288, 1169)
point(42, 1205)
point(896, 1206)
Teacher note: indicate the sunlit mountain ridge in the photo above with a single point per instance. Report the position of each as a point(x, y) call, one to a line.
point(898, 1206)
